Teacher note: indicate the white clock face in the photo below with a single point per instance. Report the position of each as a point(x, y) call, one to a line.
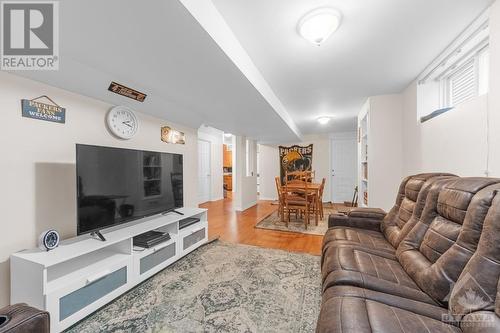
point(122, 122)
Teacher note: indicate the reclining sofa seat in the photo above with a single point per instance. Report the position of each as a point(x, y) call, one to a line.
point(474, 302)
point(431, 257)
point(372, 228)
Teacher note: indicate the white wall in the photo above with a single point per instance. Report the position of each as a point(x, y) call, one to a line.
point(321, 163)
point(269, 168)
point(215, 137)
point(457, 141)
point(452, 142)
point(385, 149)
point(37, 168)
point(412, 151)
point(494, 94)
point(245, 192)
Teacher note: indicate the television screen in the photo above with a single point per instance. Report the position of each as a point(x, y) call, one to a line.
point(119, 185)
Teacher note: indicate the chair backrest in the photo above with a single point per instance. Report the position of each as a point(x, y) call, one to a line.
point(292, 176)
point(322, 188)
point(298, 191)
point(309, 176)
point(278, 188)
point(436, 250)
point(394, 226)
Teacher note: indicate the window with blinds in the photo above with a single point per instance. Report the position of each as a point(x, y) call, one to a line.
point(457, 75)
point(462, 84)
point(468, 80)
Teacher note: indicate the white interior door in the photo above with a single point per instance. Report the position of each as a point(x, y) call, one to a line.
point(344, 153)
point(204, 174)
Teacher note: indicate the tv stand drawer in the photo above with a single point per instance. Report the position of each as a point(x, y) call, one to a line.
point(95, 289)
point(192, 237)
point(159, 256)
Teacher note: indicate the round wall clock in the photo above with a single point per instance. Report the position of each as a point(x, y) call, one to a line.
point(48, 240)
point(122, 122)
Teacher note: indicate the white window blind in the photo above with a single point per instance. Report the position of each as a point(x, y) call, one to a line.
point(462, 84)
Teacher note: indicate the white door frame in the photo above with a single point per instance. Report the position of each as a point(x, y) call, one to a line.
point(209, 197)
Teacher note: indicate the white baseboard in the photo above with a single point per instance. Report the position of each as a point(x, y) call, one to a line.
point(269, 199)
point(249, 205)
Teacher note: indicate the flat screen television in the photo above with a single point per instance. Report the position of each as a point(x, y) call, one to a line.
point(117, 185)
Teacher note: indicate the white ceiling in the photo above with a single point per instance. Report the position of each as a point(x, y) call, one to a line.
point(157, 47)
point(380, 48)
point(192, 76)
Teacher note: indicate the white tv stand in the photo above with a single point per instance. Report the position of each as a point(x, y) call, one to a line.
point(85, 273)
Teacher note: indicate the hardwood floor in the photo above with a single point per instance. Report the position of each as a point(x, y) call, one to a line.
point(239, 227)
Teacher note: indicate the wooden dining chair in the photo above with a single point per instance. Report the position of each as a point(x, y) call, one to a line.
point(279, 189)
point(320, 199)
point(293, 177)
point(308, 176)
point(297, 200)
point(297, 176)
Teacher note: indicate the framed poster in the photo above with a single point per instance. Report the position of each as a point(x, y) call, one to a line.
point(295, 158)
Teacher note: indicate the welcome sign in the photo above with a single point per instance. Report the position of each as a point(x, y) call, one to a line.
point(43, 111)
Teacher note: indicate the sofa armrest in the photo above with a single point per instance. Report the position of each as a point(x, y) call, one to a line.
point(373, 213)
point(363, 218)
point(20, 318)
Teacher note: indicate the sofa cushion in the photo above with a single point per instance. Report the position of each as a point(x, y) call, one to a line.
point(394, 226)
point(381, 272)
point(356, 236)
point(409, 206)
point(354, 311)
point(478, 287)
point(436, 250)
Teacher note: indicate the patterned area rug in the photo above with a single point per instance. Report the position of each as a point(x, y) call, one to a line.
point(220, 288)
point(273, 222)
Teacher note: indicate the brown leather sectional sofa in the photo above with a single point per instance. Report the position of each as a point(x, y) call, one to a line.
point(432, 264)
point(21, 318)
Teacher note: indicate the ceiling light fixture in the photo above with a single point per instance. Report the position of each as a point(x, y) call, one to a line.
point(228, 135)
point(317, 25)
point(323, 120)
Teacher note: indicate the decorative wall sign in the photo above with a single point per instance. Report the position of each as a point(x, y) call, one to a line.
point(120, 89)
point(170, 135)
point(33, 108)
point(295, 158)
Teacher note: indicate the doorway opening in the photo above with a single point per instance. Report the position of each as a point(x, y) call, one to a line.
point(227, 165)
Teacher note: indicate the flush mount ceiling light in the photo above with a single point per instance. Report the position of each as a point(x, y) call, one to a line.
point(324, 120)
point(317, 25)
point(228, 135)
